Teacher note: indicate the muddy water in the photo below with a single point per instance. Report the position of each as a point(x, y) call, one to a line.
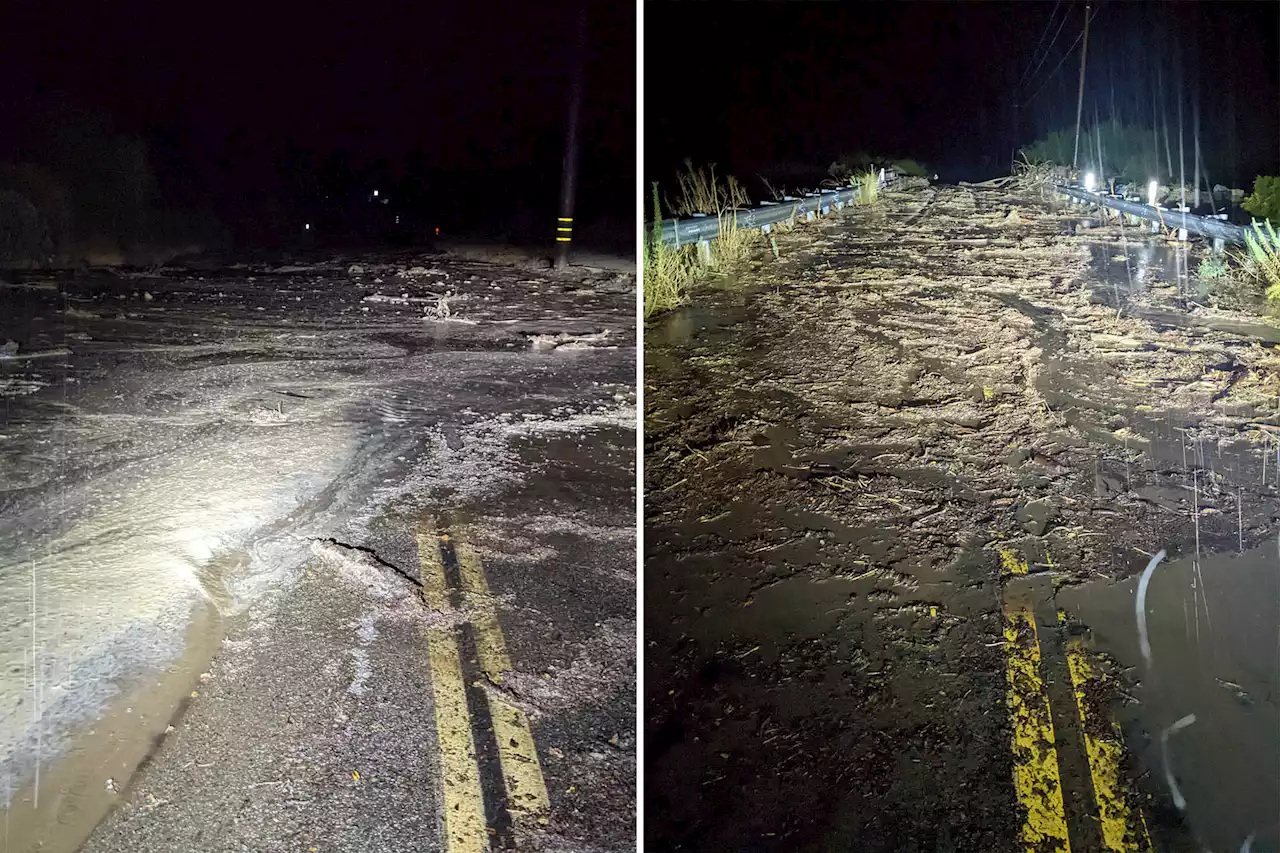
point(837, 461)
point(1215, 646)
point(93, 765)
point(158, 425)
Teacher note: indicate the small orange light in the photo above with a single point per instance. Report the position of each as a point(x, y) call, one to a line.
point(437, 230)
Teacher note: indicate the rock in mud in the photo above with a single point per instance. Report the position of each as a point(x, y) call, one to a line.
point(1035, 517)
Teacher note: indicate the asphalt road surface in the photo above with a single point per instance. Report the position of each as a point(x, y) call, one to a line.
point(332, 555)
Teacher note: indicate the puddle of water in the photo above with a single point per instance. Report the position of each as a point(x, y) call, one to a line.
point(1125, 270)
point(682, 325)
point(80, 787)
point(1216, 656)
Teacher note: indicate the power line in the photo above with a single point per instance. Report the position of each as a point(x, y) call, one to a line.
point(1064, 57)
point(1045, 55)
point(1023, 77)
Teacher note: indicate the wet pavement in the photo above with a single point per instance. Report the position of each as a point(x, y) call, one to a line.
point(900, 482)
point(311, 542)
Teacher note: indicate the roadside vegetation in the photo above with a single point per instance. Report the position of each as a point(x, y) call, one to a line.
point(1129, 151)
point(670, 272)
point(1264, 201)
point(1263, 259)
point(1245, 280)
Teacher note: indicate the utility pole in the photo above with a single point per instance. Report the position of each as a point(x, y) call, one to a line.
point(569, 172)
point(1084, 53)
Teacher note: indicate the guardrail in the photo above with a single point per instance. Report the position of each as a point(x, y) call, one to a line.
point(703, 229)
point(1216, 229)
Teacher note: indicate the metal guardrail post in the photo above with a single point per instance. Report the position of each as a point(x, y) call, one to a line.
point(1185, 222)
point(704, 252)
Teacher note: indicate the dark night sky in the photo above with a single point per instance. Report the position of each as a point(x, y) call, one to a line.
point(785, 82)
point(234, 97)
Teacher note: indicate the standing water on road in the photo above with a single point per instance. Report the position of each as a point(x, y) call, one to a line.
point(175, 445)
point(898, 493)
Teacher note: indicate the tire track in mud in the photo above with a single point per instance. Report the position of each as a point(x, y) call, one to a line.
point(831, 480)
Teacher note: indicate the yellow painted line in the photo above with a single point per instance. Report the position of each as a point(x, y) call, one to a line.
point(564, 240)
point(1035, 756)
point(564, 218)
point(465, 828)
point(1146, 836)
point(431, 572)
point(1012, 562)
point(522, 773)
point(1105, 753)
point(568, 228)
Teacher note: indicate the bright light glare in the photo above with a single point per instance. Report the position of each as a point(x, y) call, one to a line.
point(1090, 182)
point(1153, 190)
point(307, 227)
point(375, 193)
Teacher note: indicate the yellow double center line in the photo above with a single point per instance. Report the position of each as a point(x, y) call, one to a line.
point(466, 828)
point(1036, 775)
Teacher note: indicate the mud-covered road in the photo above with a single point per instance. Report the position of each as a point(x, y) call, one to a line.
point(341, 552)
point(900, 484)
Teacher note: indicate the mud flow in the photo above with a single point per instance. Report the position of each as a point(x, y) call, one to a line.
point(267, 528)
point(901, 484)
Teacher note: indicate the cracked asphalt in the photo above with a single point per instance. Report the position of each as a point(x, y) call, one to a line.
point(224, 484)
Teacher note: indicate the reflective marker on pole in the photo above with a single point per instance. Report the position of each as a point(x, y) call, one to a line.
point(569, 174)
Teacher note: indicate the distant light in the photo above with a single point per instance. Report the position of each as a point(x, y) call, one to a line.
point(1090, 181)
point(375, 193)
point(397, 219)
point(1153, 190)
point(437, 230)
point(307, 227)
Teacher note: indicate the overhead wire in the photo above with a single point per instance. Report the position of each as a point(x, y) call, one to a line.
point(1023, 77)
point(1093, 15)
point(1045, 55)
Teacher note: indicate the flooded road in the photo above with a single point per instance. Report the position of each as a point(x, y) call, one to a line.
point(224, 489)
point(899, 485)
